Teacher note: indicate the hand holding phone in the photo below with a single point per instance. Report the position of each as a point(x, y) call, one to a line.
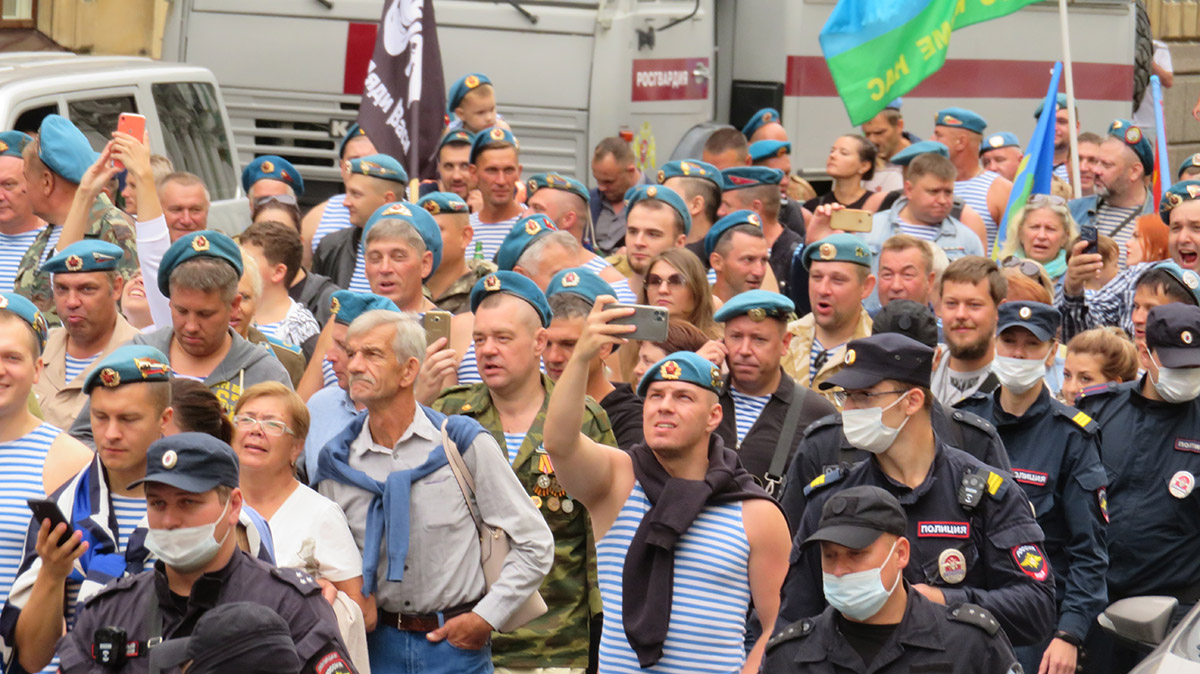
point(437, 326)
point(651, 322)
point(47, 509)
point(133, 124)
point(851, 220)
point(1091, 235)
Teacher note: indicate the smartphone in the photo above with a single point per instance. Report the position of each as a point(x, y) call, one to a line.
point(1088, 233)
point(651, 322)
point(851, 220)
point(47, 509)
point(132, 124)
point(437, 325)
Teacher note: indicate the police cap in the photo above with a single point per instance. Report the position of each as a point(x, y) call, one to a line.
point(908, 318)
point(888, 355)
point(1173, 333)
point(244, 637)
point(193, 462)
point(1040, 319)
point(856, 517)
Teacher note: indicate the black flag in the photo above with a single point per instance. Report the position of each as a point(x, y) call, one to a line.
point(404, 95)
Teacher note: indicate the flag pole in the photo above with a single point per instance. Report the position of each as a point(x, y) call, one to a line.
point(1076, 189)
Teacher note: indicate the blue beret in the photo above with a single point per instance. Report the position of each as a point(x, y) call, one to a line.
point(764, 116)
point(996, 141)
point(759, 305)
point(896, 104)
point(766, 149)
point(839, 247)
point(1178, 193)
point(1130, 134)
point(514, 284)
point(380, 166)
point(690, 168)
point(496, 136)
point(28, 312)
point(903, 157)
point(1188, 278)
point(64, 149)
point(523, 233)
point(741, 177)
point(742, 217)
point(193, 462)
point(85, 255)
point(1040, 319)
point(353, 132)
point(272, 167)
point(639, 193)
point(206, 243)
point(440, 203)
point(461, 87)
point(1192, 161)
point(419, 218)
point(557, 181)
point(579, 281)
point(960, 118)
point(456, 137)
point(346, 305)
point(129, 364)
point(1060, 102)
point(684, 366)
point(12, 143)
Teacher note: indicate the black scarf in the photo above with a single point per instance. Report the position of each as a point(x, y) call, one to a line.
point(649, 571)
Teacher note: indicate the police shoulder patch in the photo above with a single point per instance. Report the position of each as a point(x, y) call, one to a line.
point(978, 616)
point(797, 630)
point(973, 420)
point(830, 476)
point(1080, 419)
point(297, 579)
point(332, 663)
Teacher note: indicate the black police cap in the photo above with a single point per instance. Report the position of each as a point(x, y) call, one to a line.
point(193, 462)
point(887, 355)
point(1173, 333)
point(857, 516)
point(1040, 319)
point(241, 637)
point(908, 318)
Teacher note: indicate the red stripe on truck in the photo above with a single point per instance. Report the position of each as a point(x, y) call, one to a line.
point(978, 78)
point(360, 46)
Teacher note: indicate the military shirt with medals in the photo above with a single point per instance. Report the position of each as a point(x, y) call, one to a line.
point(105, 222)
point(560, 638)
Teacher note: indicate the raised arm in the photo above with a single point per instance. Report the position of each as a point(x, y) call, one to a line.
point(90, 186)
point(153, 239)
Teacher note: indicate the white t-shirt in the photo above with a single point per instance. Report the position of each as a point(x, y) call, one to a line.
point(311, 531)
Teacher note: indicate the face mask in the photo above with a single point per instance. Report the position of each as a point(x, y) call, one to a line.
point(865, 429)
point(859, 595)
point(187, 549)
point(1019, 374)
point(1177, 384)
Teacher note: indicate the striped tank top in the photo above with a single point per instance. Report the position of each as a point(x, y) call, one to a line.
point(711, 592)
point(596, 264)
point(358, 280)
point(746, 411)
point(21, 462)
point(490, 234)
point(335, 217)
point(12, 249)
point(468, 368)
point(974, 193)
point(75, 366)
point(624, 292)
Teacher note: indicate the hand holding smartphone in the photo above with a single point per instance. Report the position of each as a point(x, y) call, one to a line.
point(47, 509)
point(437, 325)
point(133, 124)
point(651, 322)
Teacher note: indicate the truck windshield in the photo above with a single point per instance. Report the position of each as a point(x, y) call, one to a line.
point(195, 134)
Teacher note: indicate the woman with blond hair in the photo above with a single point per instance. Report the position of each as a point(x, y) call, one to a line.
point(1042, 232)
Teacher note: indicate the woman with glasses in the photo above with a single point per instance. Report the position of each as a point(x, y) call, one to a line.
point(675, 279)
point(270, 423)
point(1041, 232)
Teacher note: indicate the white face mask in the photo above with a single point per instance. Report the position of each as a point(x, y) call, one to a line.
point(187, 549)
point(859, 595)
point(1177, 384)
point(1019, 374)
point(865, 430)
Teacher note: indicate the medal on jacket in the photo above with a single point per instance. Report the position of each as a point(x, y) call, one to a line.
point(547, 485)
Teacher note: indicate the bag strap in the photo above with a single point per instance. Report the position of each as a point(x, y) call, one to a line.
point(774, 478)
point(465, 481)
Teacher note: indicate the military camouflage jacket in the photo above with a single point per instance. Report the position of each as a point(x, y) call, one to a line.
point(457, 298)
point(559, 638)
point(107, 223)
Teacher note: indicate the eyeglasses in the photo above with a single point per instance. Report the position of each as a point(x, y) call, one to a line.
point(281, 199)
point(859, 398)
point(1026, 267)
point(673, 281)
point(269, 426)
point(1047, 199)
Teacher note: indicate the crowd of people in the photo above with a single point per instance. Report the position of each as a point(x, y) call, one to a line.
point(411, 421)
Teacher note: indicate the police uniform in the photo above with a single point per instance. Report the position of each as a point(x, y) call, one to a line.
point(455, 298)
point(971, 527)
point(927, 637)
point(785, 245)
point(1055, 453)
point(121, 625)
point(559, 638)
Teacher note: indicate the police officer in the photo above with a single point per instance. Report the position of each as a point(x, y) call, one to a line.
point(971, 528)
point(1055, 453)
point(1150, 444)
point(764, 410)
point(877, 621)
point(191, 486)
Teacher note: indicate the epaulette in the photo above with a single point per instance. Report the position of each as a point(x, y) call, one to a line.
point(969, 418)
point(826, 421)
point(280, 344)
point(976, 482)
point(297, 579)
point(113, 587)
point(978, 616)
point(461, 395)
point(797, 630)
point(1098, 390)
point(830, 476)
point(1081, 419)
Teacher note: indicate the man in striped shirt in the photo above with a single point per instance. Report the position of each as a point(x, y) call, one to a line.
point(373, 181)
point(496, 169)
point(331, 215)
point(18, 225)
point(566, 201)
point(961, 131)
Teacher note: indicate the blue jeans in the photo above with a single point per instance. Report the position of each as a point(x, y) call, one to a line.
point(395, 652)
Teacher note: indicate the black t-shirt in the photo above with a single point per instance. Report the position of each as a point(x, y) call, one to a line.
point(624, 410)
point(866, 640)
point(828, 198)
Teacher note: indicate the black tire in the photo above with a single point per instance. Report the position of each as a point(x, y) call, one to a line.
point(1143, 55)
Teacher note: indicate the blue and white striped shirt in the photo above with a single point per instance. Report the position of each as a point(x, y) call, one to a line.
point(21, 462)
point(468, 368)
point(334, 218)
point(974, 193)
point(597, 264)
point(512, 443)
point(709, 599)
point(746, 410)
point(490, 234)
point(624, 292)
point(12, 248)
point(1064, 174)
point(923, 232)
point(358, 281)
point(76, 366)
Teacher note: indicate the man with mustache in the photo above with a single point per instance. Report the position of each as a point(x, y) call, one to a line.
point(971, 289)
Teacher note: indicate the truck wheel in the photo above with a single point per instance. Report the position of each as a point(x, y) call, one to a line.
point(1143, 54)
